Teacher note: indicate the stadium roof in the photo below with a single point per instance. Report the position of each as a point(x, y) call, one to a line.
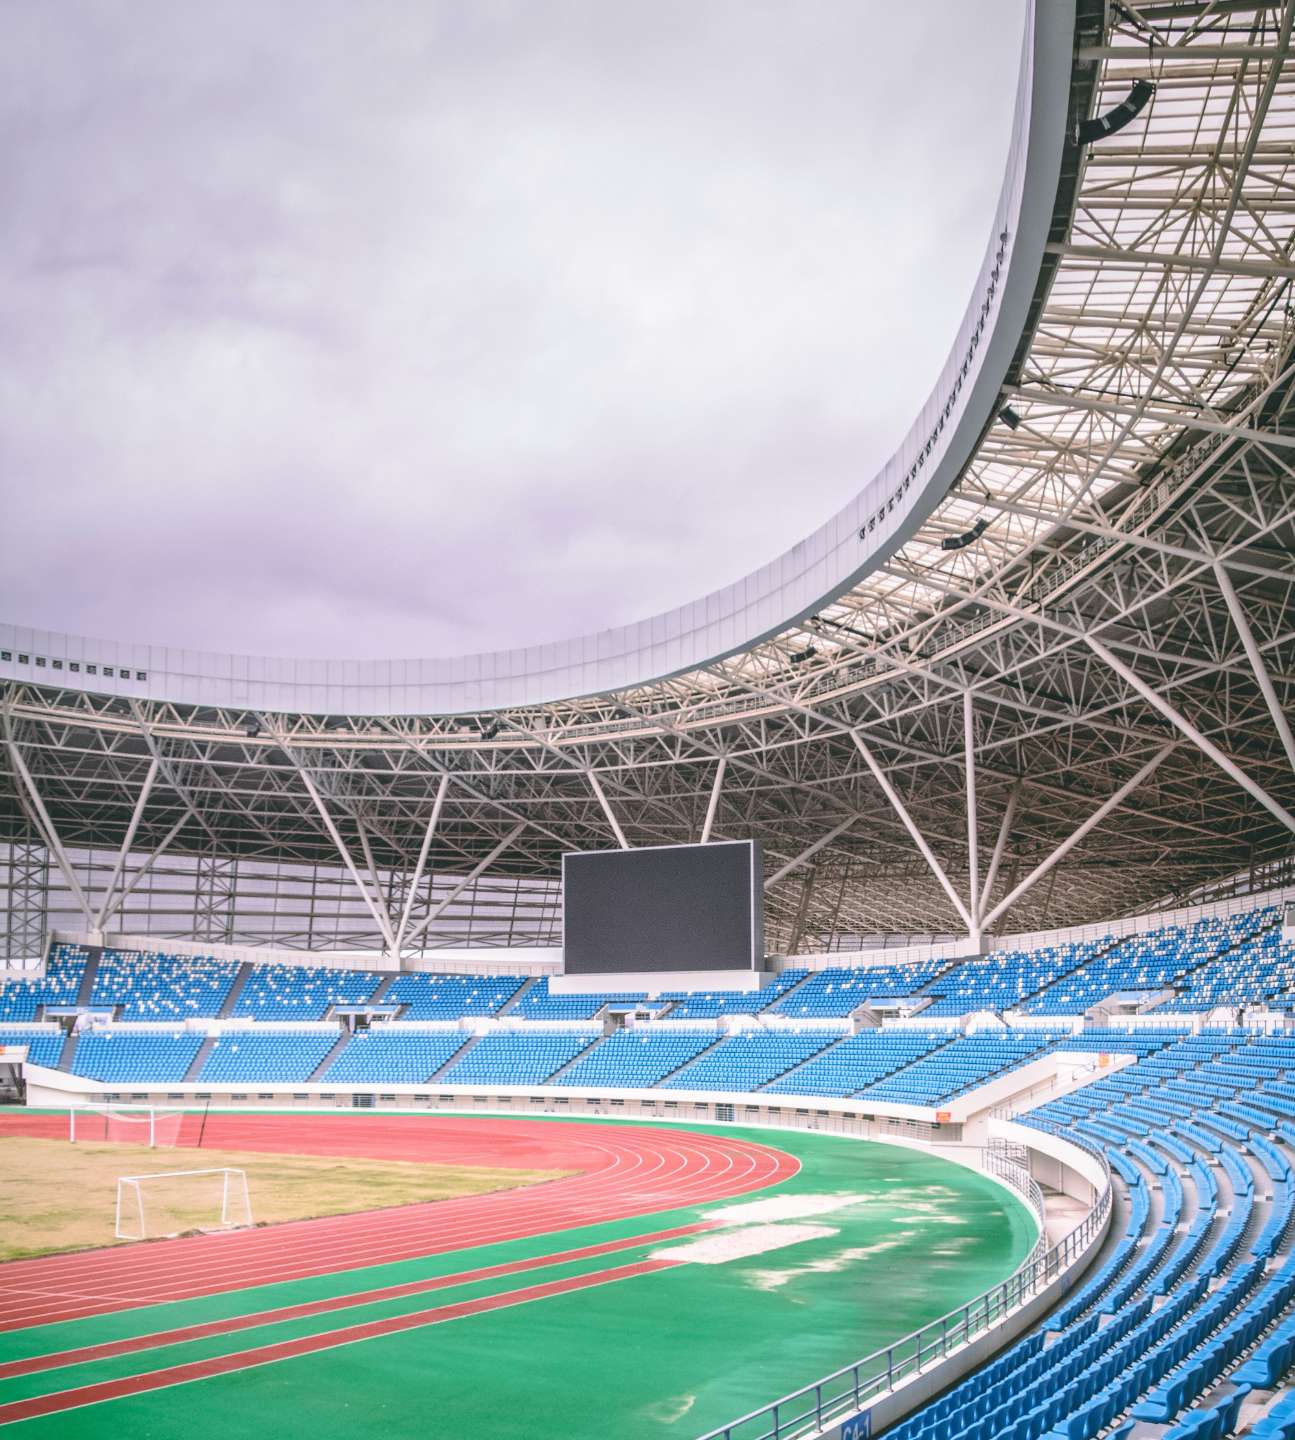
point(1067, 598)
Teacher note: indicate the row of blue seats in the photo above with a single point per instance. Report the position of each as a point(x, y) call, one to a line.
point(1279, 1423)
point(1217, 960)
point(1217, 1327)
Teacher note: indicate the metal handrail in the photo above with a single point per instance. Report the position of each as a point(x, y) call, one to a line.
point(853, 1387)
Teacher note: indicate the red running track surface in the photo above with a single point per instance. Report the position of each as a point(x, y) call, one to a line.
point(623, 1171)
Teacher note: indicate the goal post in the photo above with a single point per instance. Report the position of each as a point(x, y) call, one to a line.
point(125, 1124)
point(168, 1203)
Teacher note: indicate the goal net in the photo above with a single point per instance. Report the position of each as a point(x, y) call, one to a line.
point(182, 1202)
point(126, 1124)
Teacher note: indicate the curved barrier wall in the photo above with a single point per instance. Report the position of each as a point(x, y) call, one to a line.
point(884, 514)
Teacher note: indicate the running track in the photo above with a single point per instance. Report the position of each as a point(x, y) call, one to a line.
point(622, 1171)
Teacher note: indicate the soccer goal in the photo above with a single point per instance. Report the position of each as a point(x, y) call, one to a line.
point(180, 1202)
point(126, 1124)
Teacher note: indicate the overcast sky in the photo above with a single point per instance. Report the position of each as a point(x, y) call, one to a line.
point(369, 329)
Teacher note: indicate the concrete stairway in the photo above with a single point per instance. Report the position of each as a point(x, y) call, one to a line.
point(68, 1052)
point(589, 1049)
point(517, 994)
point(318, 1073)
point(235, 990)
point(800, 1065)
point(691, 1060)
point(91, 970)
point(200, 1059)
point(455, 1058)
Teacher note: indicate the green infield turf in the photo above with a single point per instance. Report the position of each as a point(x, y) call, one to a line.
point(888, 1238)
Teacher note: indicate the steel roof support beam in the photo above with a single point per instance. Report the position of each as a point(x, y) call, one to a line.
point(168, 771)
point(1067, 845)
point(1112, 254)
point(478, 869)
point(812, 850)
point(1069, 400)
point(714, 799)
point(1180, 722)
point(153, 855)
point(607, 810)
point(46, 826)
point(379, 913)
point(973, 839)
point(1264, 680)
point(889, 791)
point(421, 862)
point(1000, 845)
point(367, 851)
point(127, 841)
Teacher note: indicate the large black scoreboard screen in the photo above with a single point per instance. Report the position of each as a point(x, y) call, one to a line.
point(669, 907)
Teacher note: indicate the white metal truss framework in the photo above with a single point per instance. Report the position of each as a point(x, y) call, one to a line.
point(1081, 711)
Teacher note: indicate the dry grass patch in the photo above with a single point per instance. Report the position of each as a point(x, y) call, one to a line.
point(58, 1196)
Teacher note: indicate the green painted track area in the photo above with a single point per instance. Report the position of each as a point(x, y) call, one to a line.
point(658, 1353)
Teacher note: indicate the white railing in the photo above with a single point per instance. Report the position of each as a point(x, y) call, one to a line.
point(853, 1388)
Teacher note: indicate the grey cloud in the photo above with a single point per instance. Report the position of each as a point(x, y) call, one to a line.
point(430, 327)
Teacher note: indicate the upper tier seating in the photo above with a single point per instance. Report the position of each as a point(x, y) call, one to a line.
point(449, 997)
point(299, 992)
point(960, 1066)
point(267, 1056)
point(710, 1004)
point(840, 991)
point(1148, 961)
point(750, 1059)
point(859, 1061)
point(1253, 968)
point(637, 1058)
point(388, 1056)
point(133, 1057)
point(1001, 980)
point(153, 985)
point(539, 1003)
point(515, 1059)
point(44, 1043)
point(60, 985)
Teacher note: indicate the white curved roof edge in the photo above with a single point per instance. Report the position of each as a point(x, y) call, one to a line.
point(888, 510)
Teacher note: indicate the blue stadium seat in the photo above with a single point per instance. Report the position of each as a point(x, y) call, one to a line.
point(268, 1056)
point(392, 1055)
point(155, 985)
point(135, 1057)
point(299, 992)
point(638, 1058)
point(60, 985)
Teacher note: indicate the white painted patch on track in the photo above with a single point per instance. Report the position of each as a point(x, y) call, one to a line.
point(720, 1247)
point(783, 1207)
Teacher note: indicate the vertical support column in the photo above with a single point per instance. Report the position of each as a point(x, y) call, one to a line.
point(27, 918)
point(215, 884)
point(714, 800)
point(417, 876)
point(1000, 845)
point(137, 812)
point(973, 840)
